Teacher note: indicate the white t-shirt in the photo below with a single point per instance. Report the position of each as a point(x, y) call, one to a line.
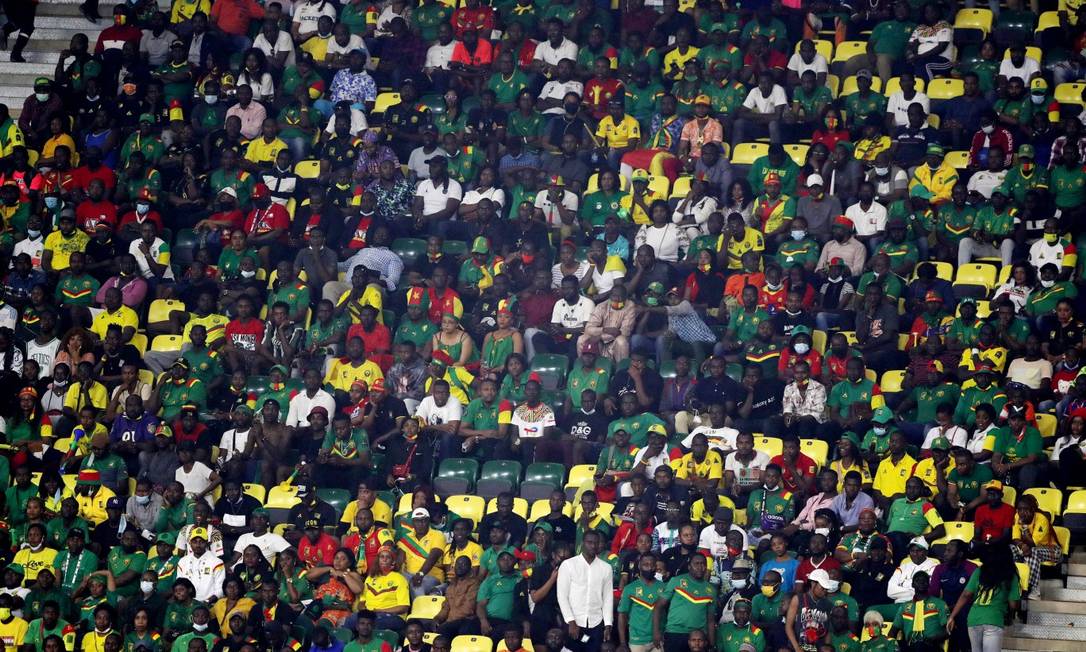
point(721, 439)
point(747, 475)
point(556, 90)
point(234, 442)
point(572, 316)
point(263, 87)
point(652, 463)
point(434, 415)
point(306, 15)
point(550, 209)
point(1029, 373)
point(1024, 72)
point(761, 104)
point(867, 222)
point(549, 54)
point(358, 123)
point(43, 354)
point(976, 441)
point(818, 65)
point(196, 480)
point(436, 197)
point(985, 182)
point(493, 193)
point(355, 42)
point(158, 247)
point(270, 544)
point(416, 163)
point(439, 56)
point(605, 280)
point(9, 318)
point(283, 43)
point(301, 405)
point(956, 434)
point(713, 542)
point(31, 247)
point(899, 106)
point(531, 423)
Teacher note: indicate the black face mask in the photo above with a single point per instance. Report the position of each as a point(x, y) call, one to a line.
point(572, 108)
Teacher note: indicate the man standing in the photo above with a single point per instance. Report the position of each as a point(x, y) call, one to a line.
point(586, 596)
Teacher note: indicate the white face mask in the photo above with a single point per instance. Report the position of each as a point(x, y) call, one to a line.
point(882, 172)
point(32, 233)
point(739, 584)
point(248, 273)
point(146, 586)
point(798, 235)
point(802, 348)
point(41, 97)
point(211, 99)
point(773, 286)
point(879, 430)
point(143, 500)
point(824, 531)
point(988, 129)
point(1048, 283)
point(200, 628)
point(143, 209)
point(1037, 99)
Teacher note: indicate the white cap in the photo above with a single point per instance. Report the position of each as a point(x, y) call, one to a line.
point(822, 577)
point(920, 542)
point(420, 512)
point(229, 191)
point(814, 180)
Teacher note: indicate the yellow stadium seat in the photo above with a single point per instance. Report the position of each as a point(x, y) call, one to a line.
point(850, 336)
point(282, 528)
point(976, 274)
point(425, 607)
point(681, 187)
point(945, 88)
point(604, 510)
point(542, 507)
point(771, 446)
point(1048, 500)
point(63, 445)
point(833, 82)
point(748, 153)
point(893, 85)
point(1004, 275)
point(1032, 52)
point(848, 86)
point(525, 644)
point(520, 507)
point(1023, 575)
point(1046, 423)
point(959, 159)
point(984, 309)
point(465, 643)
point(255, 490)
point(903, 340)
point(1070, 93)
point(819, 340)
point(594, 183)
point(428, 637)
point(871, 375)
point(385, 101)
point(848, 49)
point(166, 343)
point(160, 309)
point(307, 169)
point(139, 340)
point(146, 376)
point(798, 152)
point(825, 48)
point(1076, 502)
point(1009, 495)
point(1047, 20)
point(1063, 535)
point(580, 474)
point(283, 497)
point(816, 449)
point(659, 184)
point(32, 156)
point(892, 380)
point(960, 530)
point(979, 19)
point(472, 507)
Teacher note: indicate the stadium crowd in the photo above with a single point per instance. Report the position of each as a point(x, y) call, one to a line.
point(542, 325)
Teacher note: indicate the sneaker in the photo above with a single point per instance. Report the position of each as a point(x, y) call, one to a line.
point(17, 58)
point(88, 14)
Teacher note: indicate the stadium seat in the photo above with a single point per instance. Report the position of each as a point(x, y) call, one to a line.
point(160, 309)
point(604, 510)
point(426, 607)
point(681, 187)
point(1074, 516)
point(139, 340)
point(337, 498)
point(1048, 500)
point(945, 88)
point(470, 507)
point(1046, 424)
point(552, 369)
point(166, 343)
point(255, 490)
point(548, 472)
point(594, 183)
point(533, 490)
point(466, 643)
point(848, 86)
point(958, 159)
point(798, 153)
point(819, 339)
point(1048, 20)
point(848, 49)
point(541, 508)
point(343, 634)
point(1070, 93)
point(1063, 536)
point(146, 376)
point(833, 82)
point(456, 248)
point(498, 476)
point(748, 153)
point(428, 637)
point(825, 48)
point(63, 445)
point(977, 274)
point(409, 249)
point(520, 508)
point(771, 446)
point(1032, 52)
point(892, 380)
point(816, 449)
point(851, 337)
point(388, 636)
point(960, 530)
point(893, 85)
point(385, 101)
point(307, 169)
point(456, 475)
point(972, 25)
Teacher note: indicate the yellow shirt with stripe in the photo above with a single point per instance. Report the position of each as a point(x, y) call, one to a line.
point(472, 551)
point(382, 513)
point(710, 468)
point(13, 633)
point(638, 214)
point(10, 138)
point(215, 325)
point(752, 241)
point(384, 592)
point(125, 317)
point(416, 550)
point(675, 61)
point(619, 135)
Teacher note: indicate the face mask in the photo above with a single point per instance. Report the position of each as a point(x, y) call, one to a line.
point(834, 279)
point(211, 99)
point(617, 305)
point(1037, 99)
point(705, 267)
point(248, 273)
point(739, 585)
point(32, 233)
point(798, 235)
point(1047, 284)
point(659, 577)
point(832, 586)
point(988, 129)
point(882, 172)
point(802, 348)
point(647, 575)
point(769, 591)
point(51, 202)
point(41, 97)
point(147, 587)
point(200, 628)
point(5, 613)
point(652, 301)
point(527, 259)
point(143, 500)
point(1052, 238)
point(118, 19)
point(879, 430)
point(773, 286)
point(143, 209)
point(824, 531)
point(572, 108)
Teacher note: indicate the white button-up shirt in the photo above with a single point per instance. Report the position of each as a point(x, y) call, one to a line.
point(205, 572)
point(301, 405)
point(585, 591)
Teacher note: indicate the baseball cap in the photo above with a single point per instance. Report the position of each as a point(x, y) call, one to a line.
point(919, 542)
point(312, 523)
point(591, 346)
point(863, 74)
point(1026, 151)
point(993, 485)
point(378, 385)
point(822, 578)
point(480, 245)
point(318, 409)
point(940, 444)
point(167, 537)
point(260, 191)
point(932, 295)
point(703, 99)
point(198, 533)
point(814, 180)
point(883, 415)
point(114, 503)
point(1039, 86)
point(89, 477)
point(935, 149)
point(744, 564)
point(773, 178)
point(146, 117)
point(640, 175)
point(420, 512)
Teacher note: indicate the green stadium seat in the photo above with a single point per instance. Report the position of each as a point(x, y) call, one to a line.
point(409, 249)
point(456, 475)
point(498, 476)
point(546, 472)
point(455, 248)
point(337, 498)
point(552, 369)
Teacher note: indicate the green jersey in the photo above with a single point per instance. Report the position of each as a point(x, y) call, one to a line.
point(691, 603)
point(891, 36)
point(600, 205)
point(991, 604)
point(175, 394)
point(845, 642)
point(1015, 447)
point(956, 223)
point(964, 414)
point(75, 290)
point(499, 591)
point(72, 569)
point(165, 570)
point(859, 108)
point(803, 252)
point(480, 416)
point(295, 295)
point(892, 284)
point(181, 643)
point(597, 379)
point(121, 562)
point(37, 632)
point(1068, 186)
point(965, 332)
point(637, 602)
point(505, 88)
point(846, 392)
point(769, 510)
point(1043, 300)
point(970, 486)
point(417, 332)
point(428, 17)
point(745, 324)
point(731, 637)
point(996, 224)
point(767, 610)
point(912, 516)
point(638, 427)
point(205, 364)
point(928, 400)
point(1018, 182)
point(922, 619)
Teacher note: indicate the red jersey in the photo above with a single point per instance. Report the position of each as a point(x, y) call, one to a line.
point(265, 220)
point(806, 567)
point(319, 553)
point(84, 175)
point(772, 300)
point(440, 305)
point(379, 340)
point(89, 214)
point(152, 216)
point(365, 550)
point(805, 466)
point(27, 181)
point(62, 181)
point(245, 336)
point(598, 92)
point(992, 523)
point(789, 358)
point(180, 435)
point(358, 238)
point(480, 19)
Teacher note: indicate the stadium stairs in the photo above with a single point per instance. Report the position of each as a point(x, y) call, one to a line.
point(1056, 622)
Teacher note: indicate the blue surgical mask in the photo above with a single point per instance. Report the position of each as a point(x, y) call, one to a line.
point(51, 202)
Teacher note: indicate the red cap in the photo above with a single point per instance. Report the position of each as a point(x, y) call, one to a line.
point(535, 377)
point(843, 221)
point(378, 385)
point(260, 191)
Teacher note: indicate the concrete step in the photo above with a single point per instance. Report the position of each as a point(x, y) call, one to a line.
point(1075, 635)
point(1077, 568)
point(1054, 620)
point(1076, 582)
point(76, 23)
point(1026, 644)
point(65, 34)
point(1069, 595)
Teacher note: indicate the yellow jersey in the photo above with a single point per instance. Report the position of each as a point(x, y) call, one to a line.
point(890, 478)
point(33, 562)
point(13, 632)
point(416, 550)
point(383, 592)
point(343, 374)
point(125, 317)
point(619, 135)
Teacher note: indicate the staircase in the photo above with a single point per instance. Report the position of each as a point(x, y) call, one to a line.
point(1056, 622)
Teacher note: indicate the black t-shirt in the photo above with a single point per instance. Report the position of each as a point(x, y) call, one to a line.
point(127, 354)
point(768, 394)
point(653, 383)
point(658, 498)
point(783, 323)
point(388, 411)
point(514, 524)
point(564, 527)
point(677, 559)
point(710, 390)
point(588, 427)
